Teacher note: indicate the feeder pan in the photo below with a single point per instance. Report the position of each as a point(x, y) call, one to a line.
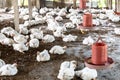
point(117, 13)
point(80, 26)
point(108, 64)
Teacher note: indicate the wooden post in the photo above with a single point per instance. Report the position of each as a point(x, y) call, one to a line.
point(42, 3)
point(74, 3)
point(38, 4)
point(30, 9)
point(8, 3)
point(117, 6)
point(16, 15)
point(2, 3)
point(109, 4)
point(62, 3)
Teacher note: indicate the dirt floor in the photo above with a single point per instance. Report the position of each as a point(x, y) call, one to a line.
point(30, 69)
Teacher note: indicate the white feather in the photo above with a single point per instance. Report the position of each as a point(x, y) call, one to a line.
point(43, 56)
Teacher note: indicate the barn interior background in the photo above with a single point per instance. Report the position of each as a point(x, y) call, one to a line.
point(59, 39)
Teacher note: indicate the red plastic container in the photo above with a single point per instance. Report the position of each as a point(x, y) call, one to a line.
point(118, 13)
point(82, 4)
point(87, 20)
point(99, 52)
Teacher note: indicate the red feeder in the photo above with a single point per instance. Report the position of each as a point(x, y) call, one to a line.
point(82, 4)
point(118, 13)
point(87, 20)
point(99, 59)
point(99, 52)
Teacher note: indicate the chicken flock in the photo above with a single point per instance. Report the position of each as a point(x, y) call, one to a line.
point(27, 37)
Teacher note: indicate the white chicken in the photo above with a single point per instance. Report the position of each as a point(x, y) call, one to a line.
point(87, 74)
point(73, 17)
point(23, 29)
point(66, 74)
point(26, 17)
point(58, 18)
point(61, 28)
point(48, 38)
point(52, 25)
point(36, 35)
point(66, 71)
point(27, 23)
point(35, 30)
point(8, 70)
point(2, 37)
point(64, 65)
point(116, 19)
point(69, 64)
point(117, 31)
point(24, 11)
point(57, 50)
point(102, 16)
point(52, 13)
point(76, 21)
point(94, 16)
point(69, 38)
point(73, 64)
point(96, 22)
point(69, 25)
point(38, 17)
point(43, 56)
point(34, 14)
point(21, 47)
point(2, 63)
point(20, 38)
point(48, 17)
point(43, 10)
point(34, 43)
point(58, 33)
point(88, 41)
point(34, 9)
point(9, 31)
point(8, 41)
point(62, 12)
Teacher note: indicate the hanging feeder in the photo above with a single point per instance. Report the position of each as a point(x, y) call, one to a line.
point(82, 4)
point(99, 52)
point(87, 22)
point(99, 59)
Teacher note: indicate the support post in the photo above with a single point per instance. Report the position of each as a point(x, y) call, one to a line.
point(16, 15)
point(30, 9)
point(38, 4)
point(109, 4)
point(74, 3)
point(117, 6)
